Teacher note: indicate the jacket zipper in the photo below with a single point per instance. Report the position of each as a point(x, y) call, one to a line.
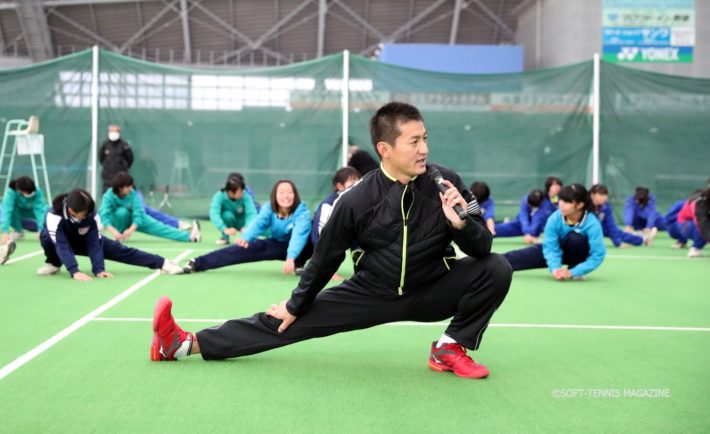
point(405, 218)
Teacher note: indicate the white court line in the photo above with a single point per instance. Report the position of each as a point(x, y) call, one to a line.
point(440, 324)
point(661, 258)
point(20, 258)
point(44, 346)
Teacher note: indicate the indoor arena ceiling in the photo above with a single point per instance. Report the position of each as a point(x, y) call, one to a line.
point(246, 32)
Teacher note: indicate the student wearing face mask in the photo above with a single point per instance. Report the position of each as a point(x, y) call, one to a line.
point(122, 214)
point(72, 228)
point(232, 208)
point(115, 156)
point(23, 208)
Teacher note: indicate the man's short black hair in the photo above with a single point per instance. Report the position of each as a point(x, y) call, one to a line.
point(535, 198)
point(384, 125)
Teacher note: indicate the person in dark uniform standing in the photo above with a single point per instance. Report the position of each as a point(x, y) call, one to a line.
point(115, 156)
point(404, 225)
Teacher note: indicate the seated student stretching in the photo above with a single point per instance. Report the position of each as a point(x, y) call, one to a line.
point(122, 214)
point(72, 229)
point(640, 212)
point(535, 209)
point(289, 222)
point(573, 237)
point(689, 223)
point(23, 207)
point(482, 193)
point(232, 210)
point(602, 208)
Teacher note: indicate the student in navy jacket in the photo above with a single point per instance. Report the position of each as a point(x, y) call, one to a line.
point(72, 228)
point(482, 193)
point(602, 208)
point(640, 212)
point(535, 208)
point(344, 178)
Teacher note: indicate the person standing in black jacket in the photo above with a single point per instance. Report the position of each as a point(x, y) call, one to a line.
point(115, 156)
point(407, 271)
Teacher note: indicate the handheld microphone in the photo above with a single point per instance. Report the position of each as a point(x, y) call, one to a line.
point(435, 175)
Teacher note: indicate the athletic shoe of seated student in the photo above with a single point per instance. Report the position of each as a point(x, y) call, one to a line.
point(195, 234)
point(648, 238)
point(170, 267)
point(16, 236)
point(678, 245)
point(189, 267)
point(6, 251)
point(222, 242)
point(47, 270)
point(184, 226)
point(169, 340)
point(694, 252)
point(453, 357)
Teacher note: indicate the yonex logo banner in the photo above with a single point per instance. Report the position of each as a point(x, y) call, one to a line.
point(648, 30)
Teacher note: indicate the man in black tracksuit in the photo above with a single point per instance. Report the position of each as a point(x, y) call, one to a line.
point(115, 155)
point(405, 273)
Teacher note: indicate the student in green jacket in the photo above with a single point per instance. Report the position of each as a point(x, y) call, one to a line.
point(23, 207)
point(232, 210)
point(122, 214)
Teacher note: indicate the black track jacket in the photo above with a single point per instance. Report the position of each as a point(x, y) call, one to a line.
point(403, 232)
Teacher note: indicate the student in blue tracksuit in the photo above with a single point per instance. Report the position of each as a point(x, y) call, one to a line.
point(573, 236)
point(602, 208)
point(535, 209)
point(344, 178)
point(72, 228)
point(232, 210)
point(289, 222)
point(483, 195)
point(679, 232)
point(122, 214)
point(23, 208)
point(640, 212)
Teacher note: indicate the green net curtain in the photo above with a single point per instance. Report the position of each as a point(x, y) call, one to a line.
point(57, 92)
point(510, 130)
point(655, 132)
point(191, 128)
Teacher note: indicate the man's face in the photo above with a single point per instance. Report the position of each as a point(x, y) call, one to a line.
point(407, 157)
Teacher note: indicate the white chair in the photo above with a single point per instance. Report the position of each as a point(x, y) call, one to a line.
point(26, 140)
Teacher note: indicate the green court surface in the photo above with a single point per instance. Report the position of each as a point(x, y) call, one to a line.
point(628, 350)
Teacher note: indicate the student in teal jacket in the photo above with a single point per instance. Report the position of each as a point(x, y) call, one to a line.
point(23, 207)
point(122, 214)
point(573, 237)
point(232, 210)
point(288, 223)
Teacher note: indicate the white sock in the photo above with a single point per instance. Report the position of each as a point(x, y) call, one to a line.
point(185, 348)
point(445, 339)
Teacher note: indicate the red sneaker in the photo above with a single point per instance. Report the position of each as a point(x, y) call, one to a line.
point(453, 357)
point(167, 336)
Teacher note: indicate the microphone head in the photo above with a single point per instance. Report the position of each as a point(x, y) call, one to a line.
point(434, 173)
